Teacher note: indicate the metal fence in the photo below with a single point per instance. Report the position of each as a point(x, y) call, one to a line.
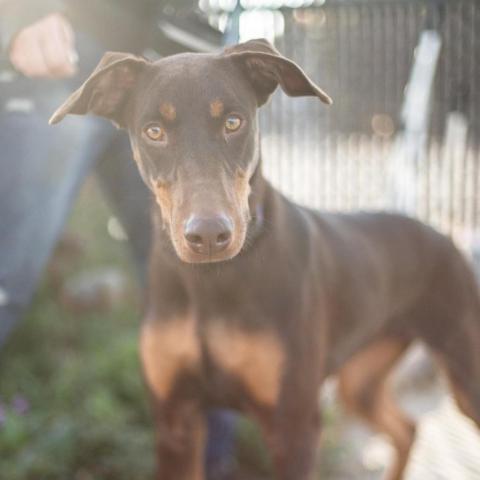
point(361, 52)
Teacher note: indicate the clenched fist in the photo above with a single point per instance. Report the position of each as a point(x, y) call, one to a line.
point(45, 49)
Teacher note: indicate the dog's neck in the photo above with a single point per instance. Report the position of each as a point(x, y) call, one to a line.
point(177, 285)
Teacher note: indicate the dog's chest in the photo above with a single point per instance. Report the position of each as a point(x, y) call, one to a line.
point(178, 346)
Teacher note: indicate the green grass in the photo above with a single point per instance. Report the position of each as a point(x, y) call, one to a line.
point(88, 416)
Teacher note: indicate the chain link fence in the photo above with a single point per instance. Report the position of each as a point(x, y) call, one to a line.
point(362, 52)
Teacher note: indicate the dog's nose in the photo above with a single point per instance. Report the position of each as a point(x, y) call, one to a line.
point(208, 235)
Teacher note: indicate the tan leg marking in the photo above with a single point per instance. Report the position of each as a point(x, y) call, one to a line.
point(365, 392)
point(256, 358)
point(464, 403)
point(168, 348)
point(461, 397)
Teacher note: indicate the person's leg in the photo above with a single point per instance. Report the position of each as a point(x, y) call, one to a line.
point(221, 445)
point(41, 168)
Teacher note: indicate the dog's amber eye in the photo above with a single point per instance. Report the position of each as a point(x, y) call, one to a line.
point(232, 123)
point(155, 133)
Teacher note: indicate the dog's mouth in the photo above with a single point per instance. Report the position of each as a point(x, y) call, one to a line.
point(193, 258)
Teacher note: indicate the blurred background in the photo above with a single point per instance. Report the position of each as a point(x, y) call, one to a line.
point(403, 133)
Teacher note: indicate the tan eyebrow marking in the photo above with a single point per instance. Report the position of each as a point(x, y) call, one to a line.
point(168, 111)
point(216, 108)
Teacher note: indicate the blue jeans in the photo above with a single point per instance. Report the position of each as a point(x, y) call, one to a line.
point(41, 171)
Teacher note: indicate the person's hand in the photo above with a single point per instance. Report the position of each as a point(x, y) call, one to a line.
point(45, 49)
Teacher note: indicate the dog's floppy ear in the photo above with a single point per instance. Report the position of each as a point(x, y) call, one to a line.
point(105, 92)
point(266, 68)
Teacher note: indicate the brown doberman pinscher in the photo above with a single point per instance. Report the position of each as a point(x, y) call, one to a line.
point(253, 301)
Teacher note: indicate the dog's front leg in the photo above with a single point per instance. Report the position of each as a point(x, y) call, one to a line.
point(291, 422)
point(181, 435)
point(171, 360)
point(291, 433)
point(292, 429)
point(281, 391)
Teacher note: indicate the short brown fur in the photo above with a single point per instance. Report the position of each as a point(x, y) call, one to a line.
point(279, 296)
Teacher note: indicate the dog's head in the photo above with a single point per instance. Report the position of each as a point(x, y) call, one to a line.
point(193, 128)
